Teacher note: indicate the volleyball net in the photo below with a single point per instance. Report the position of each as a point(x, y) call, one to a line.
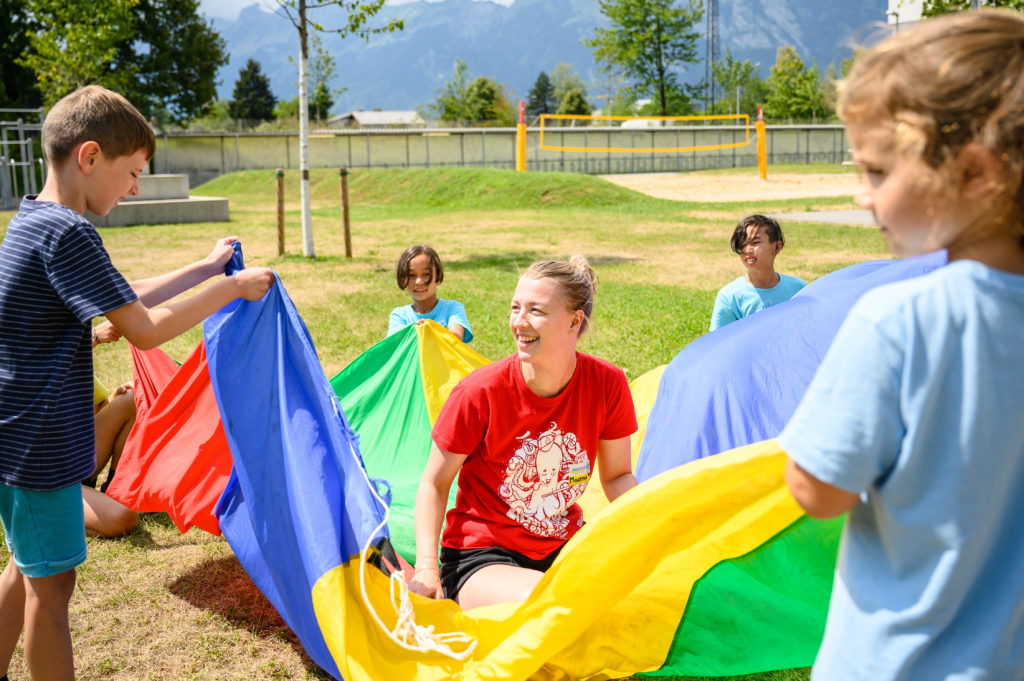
point(567, 125)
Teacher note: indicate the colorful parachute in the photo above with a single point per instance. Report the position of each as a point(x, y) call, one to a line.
point(741, 383)
point(707, 569)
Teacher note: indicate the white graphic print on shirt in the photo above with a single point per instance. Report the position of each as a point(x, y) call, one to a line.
point(543, 479)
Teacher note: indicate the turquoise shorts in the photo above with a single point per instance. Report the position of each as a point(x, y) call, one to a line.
point(45, 531)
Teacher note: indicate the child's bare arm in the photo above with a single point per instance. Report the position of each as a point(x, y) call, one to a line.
point(156, 290)
point(819, 499)
point(146, 328)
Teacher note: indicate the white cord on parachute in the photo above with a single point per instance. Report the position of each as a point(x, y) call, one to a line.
point(406, 633)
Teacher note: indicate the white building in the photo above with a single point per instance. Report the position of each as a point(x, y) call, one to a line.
point(376, 119)
point(904, 13)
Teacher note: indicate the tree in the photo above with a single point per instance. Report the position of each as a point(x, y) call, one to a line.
point(794, 91)
point(452, 99)
point(17, 82)
point(733, 76)
point(486, 103)
point(678, 102)
point(358, 17)
point(322, 68)
point(483, 100)
point(175, 55)
point(252, 99)
point(647, 41)
point(574, 104)
point(541, 97)
point(74, 44)
point(933, 8)
point(564, 79)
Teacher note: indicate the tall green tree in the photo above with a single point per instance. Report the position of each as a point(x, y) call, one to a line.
point(17, 82)
point(648, 40)
point(564, 80)
point(541, 97)
point(452, 98)
point(175, 54)
point(574, 104)
point(322, 68)
point(734, 76)
point(252, 99)
point(933, 8)
point(794, 90)
point(74, 44)
point(487, 103)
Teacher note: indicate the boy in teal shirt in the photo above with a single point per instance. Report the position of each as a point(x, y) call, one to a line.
point(757, 239)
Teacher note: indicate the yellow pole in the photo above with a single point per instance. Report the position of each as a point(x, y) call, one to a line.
point(762, 152)
point(521, 140)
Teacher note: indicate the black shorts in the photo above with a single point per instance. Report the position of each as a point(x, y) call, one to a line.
point(459, 565)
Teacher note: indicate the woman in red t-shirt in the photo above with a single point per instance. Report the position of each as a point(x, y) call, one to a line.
point(523, 435)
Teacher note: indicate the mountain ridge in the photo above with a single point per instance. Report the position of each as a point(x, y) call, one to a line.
point(514, 43)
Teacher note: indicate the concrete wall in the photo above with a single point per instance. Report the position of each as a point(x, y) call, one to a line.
point(205, 156)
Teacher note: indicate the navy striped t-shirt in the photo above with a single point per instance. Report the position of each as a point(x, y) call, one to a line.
point(55, 276)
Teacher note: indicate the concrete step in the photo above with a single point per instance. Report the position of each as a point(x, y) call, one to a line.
point(164, 211)
point(161, 187)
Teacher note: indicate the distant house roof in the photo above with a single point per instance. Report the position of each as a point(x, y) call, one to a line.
point(375, 119)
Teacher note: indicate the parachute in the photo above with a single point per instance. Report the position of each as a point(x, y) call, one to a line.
point(665, 581)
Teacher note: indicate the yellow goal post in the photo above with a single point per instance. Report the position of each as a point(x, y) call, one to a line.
point(662, 123)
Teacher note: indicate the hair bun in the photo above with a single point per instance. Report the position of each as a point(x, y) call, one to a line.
point(582, 266)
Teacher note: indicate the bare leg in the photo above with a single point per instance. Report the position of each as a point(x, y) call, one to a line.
point(105, 517)
point(498, 584)
point(47, 630)
point(113, 423)
point(12, 612)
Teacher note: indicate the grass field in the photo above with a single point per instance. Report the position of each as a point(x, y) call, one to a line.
point(161, 605)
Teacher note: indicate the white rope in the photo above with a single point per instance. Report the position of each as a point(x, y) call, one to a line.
point(406, 633)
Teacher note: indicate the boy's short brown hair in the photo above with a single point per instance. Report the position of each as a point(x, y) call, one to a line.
point(94, 113)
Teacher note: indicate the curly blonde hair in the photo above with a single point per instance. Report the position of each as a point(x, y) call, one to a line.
point(947, 82)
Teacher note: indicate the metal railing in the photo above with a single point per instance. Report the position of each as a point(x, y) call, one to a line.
point(21, 169)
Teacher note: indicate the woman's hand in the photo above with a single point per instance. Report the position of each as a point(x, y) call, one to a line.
point(427, 582)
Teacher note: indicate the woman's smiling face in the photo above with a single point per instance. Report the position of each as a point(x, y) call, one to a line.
point(541, 324)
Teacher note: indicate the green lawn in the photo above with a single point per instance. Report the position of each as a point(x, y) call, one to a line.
point(161, 605)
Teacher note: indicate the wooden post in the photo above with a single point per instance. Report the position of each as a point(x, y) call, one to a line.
point(279, 174)
point(344, 211)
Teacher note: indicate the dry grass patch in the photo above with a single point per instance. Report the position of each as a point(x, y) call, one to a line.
point(157, 604)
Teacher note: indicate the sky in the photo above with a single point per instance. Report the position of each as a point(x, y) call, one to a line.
point(229, 9)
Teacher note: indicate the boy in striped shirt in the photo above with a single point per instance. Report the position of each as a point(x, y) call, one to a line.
point(55, 276)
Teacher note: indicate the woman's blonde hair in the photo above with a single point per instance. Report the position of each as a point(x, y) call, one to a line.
point(946, 82)
point(576, 280)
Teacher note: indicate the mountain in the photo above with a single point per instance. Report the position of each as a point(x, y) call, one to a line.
point(514, 43)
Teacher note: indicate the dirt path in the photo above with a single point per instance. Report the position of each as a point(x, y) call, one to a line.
point(715, 187)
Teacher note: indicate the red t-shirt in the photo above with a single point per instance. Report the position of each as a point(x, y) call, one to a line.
point(529, 457)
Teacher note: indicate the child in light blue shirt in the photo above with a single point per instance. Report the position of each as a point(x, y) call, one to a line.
point(419, 272)
point(757, 239)
point(912, 422)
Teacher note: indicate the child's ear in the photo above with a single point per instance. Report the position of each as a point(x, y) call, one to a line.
point(979, 170)
point(86, 155)
point(778, 247)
